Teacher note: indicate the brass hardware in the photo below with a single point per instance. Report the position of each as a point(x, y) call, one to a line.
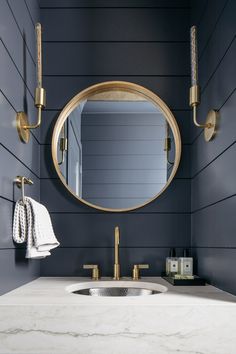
point(210, 124)
point(63, 146)
point(194, 95)
point(137, 267)
point(167, 145)
point(124, 87)
point(95, 270)
point(116, 263)
point(20, 181)
point(22, 122)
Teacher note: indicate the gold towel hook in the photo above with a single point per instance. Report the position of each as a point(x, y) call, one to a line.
point(20, 181)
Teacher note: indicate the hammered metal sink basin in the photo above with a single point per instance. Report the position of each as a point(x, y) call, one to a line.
point(116, 288)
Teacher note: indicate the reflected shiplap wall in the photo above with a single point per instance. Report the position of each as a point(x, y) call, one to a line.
point(213, 165)
point(124, 162)
point(17, 73)
point(145, 42)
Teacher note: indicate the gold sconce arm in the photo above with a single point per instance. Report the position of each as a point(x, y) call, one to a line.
point(63, 149)
point(40, 103)
point(22, 122)
point(211, 120)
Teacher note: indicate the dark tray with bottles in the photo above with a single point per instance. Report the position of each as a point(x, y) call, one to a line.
point(197, 281)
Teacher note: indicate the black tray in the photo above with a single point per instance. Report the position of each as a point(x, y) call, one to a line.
point(186, 282)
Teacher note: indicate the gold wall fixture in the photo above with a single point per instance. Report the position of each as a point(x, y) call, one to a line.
point(20, 181)
point(167, 145)
point(210, 124)
point(63, 145)
point(22, 122)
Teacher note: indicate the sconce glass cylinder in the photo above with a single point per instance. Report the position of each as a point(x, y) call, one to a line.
point(22, 122)
point(195, 91)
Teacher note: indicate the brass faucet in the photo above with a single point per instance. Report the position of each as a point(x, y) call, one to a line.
point(116, 264)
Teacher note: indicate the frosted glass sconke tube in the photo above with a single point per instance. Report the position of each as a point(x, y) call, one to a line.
point(22, 122)
point(195, 91)
point(194, 55)
point(38, 33)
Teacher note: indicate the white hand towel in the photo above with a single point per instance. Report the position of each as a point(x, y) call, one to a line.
point(32, 224)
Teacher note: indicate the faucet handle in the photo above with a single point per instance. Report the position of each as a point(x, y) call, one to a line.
point(136, 268)
point(95, 270)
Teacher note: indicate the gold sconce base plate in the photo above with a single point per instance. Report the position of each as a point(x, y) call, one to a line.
point(211, 119)
point(22, 121)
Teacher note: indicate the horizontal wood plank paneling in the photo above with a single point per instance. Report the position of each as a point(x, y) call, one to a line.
point(163, 68)
point(216, 182)
point(14, 168)
point(47, 169)
point(28, 154)
point(96, 230)
point(174, 200)
point(215, 265)
point(34, 10)
point(219, 43)
point(120, 24)
point(213, 168)
point(17, 72)
point(213, 227)
point(12, 84)
point(61, 89)
point(117, 3)
point(15, 270)
point(98, 59)
point(202, 153)
point(24, 21)
point(6, 208)
point(14, 42)
point(132, 132)
point(155, 257)
point(104, 176)
point(49, 119)
point(220, 87)
point(115, 148)
point(210, 17)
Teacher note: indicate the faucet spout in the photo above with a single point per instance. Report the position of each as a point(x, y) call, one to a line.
point(116, 264)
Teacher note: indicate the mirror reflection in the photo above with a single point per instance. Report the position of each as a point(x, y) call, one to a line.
point(116, 150)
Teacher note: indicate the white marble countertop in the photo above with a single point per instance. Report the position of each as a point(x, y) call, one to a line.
point(51, 291)
point(42, 318)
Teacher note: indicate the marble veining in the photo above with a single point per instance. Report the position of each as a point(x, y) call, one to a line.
point(42, 318)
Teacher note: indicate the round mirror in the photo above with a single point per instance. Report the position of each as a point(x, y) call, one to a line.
point(116, 146)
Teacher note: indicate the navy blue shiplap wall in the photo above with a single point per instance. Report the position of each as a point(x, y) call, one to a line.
point(17, 73)
point(146, 42)
point(86, 42)
point(213, 164)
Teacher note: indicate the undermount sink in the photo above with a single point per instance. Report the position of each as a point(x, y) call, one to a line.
point(116, 288)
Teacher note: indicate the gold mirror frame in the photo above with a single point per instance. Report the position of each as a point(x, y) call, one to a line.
point(126, 87)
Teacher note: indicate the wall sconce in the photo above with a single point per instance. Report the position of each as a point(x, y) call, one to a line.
point(63, 145)
point(167, 145)
point(195, 92)
point(22, 122)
